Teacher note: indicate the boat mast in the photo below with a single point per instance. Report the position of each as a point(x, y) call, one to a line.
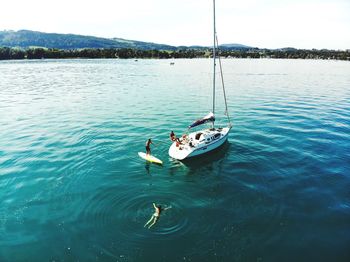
point(214, 59)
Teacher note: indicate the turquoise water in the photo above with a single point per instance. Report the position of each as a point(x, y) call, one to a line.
point(72, 187)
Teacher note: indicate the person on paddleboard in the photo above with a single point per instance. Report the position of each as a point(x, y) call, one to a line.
point(154, 218)
point(148, 146)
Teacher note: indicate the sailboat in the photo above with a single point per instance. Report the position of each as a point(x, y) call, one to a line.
point(203, 141)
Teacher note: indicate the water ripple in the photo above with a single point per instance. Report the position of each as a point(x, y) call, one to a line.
point(72, 186)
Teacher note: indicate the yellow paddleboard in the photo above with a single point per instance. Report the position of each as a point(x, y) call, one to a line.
point(150, 158)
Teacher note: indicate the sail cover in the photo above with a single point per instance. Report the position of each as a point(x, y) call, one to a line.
point(208, 118)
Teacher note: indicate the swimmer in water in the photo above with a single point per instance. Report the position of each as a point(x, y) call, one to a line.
point(154, 218)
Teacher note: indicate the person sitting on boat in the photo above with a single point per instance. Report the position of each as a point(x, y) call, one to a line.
point(148, 146)
point(154, 218)
point(173, 137)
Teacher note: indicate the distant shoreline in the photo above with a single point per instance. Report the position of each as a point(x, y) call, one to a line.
point(11, 53)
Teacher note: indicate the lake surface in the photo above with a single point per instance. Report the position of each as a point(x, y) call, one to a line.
point(72, 187)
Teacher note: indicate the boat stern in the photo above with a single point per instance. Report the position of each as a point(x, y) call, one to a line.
point(179, 151)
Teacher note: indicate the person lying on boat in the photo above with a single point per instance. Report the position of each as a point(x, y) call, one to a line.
point(148, 146)
point(154, 218)
point(185, 138)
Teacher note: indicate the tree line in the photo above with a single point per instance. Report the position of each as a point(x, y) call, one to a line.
point(7, 53)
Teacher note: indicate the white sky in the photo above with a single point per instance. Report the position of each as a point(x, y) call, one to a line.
point(265, 23)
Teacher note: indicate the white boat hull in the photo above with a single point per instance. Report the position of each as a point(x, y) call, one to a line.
point(198, 143)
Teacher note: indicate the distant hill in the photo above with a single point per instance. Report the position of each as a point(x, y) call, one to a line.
point(27, 38)
point(287, 49)
point(235, 47)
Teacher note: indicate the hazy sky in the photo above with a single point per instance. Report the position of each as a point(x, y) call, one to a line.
point(260, 23)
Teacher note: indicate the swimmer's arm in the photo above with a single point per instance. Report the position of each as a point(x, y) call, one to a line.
point(154, 205)
point(167, 208)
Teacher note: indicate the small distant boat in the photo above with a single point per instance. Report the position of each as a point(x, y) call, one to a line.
point(172, 63)
point(206, 140)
